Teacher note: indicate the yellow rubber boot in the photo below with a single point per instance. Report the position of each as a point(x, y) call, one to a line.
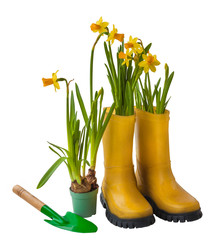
point(154, 176)
point(125, 205)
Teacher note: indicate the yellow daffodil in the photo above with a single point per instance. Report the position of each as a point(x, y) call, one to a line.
point(135, 47)
point(50, 81)
point(99, 26)
point(114, 35)
point(126, 56)
point(150, 61)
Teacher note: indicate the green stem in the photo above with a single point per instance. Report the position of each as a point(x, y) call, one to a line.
point(91, 67)
point(67, 119)
point(91, 76)
point(93, 159)
point(70, 139)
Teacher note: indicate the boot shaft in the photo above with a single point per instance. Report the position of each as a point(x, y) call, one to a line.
point(118, 141)
point(152, 141)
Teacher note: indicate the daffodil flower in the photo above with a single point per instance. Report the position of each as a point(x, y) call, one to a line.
point(114, 35)
point(135, 47)
point(50, 81)
point(149, 62)
point(126, 56)
point(99, 26)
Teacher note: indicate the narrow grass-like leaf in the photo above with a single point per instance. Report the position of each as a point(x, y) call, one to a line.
point(100, 103)
point(165, 92)
point(61, 149)
point(140, 71)
point(145, 101)
point(112, 62)
point(158, 99)
point(55, 151)
point(138, 100)
point(111, 82)
point(81, 142)
point(147, 48)
point(81, 103)
point(102, 129)
point(50, 171)
point(155, 90)
point(129, 99)
point(149, 95)
point(101, 119)
point(166, 103)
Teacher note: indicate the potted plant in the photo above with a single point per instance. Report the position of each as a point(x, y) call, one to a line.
point(83, 188)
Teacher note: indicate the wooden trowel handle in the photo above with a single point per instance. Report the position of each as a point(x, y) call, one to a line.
point(22, 193)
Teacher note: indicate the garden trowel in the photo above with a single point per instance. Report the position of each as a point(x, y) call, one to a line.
point(71, 222)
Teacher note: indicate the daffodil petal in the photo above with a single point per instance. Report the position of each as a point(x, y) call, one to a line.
point(142, 64)
point(146, 69)
point(99, 21)
point(152, 68)
point(144, 56)
point(56, 85)
point(156, 63)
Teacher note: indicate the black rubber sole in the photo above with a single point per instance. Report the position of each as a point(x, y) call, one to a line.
point(181, 217)
point(126, 223)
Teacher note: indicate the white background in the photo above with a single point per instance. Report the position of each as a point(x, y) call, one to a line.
point(40, 37)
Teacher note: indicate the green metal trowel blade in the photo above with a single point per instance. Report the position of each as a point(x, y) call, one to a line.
point(71, 221)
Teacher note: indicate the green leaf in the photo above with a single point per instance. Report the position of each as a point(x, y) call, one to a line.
point(107, 119)
point(156, 89)
point(100, 103)
point(158, 97)
point(150, 96)
point(165, 92)
point(166, 72)
point(81, 142)
point(102, 130)
point(85, 161)
point(145, 101)
point(111, 81)
point(81, 103)
point(72, 109)
point(50, 171)
point(61, 149)
point(129, 99)
point(101, 119)
point(147, 48)
point(76, 132)
point(137, 97)
point(76, 148)
point(55, 151)
point(140, 71)
point(166, 103)
point(87, 138)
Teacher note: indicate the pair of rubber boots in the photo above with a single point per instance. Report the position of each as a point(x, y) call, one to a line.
point(131, 199)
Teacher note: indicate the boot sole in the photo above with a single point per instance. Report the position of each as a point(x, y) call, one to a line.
point(126, 223)
point(174, 217)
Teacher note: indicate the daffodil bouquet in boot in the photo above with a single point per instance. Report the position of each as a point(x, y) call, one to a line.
point(145, 96)
point(154, 175)
point(125, 206)
point(124, 74)
point(132, 61)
